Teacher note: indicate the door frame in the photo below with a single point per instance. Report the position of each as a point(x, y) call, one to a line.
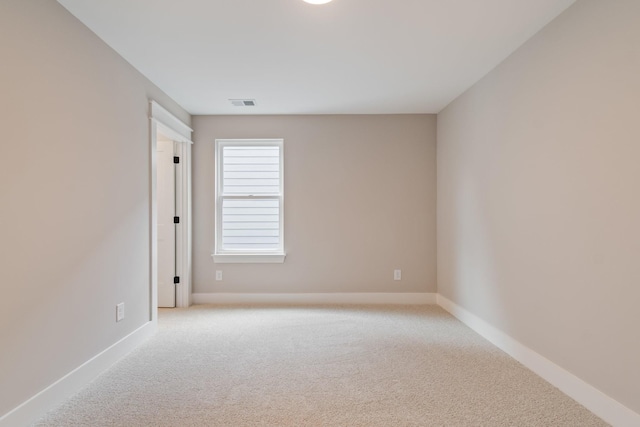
point(161, 120)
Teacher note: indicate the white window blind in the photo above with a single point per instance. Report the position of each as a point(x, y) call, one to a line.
point(249, 197)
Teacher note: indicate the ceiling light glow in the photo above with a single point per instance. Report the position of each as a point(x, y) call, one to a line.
point(317, 1)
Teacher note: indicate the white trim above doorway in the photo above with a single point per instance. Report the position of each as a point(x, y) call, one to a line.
point(176, 129)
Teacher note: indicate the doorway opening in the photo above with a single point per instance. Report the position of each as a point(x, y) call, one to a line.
point(168, 221)
point(170, 211)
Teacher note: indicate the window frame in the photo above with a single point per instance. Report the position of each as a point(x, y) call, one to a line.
point(254, 255)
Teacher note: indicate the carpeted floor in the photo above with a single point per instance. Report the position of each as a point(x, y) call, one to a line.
point(317, 366)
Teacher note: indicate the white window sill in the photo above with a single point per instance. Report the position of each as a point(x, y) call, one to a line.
point(248, 258)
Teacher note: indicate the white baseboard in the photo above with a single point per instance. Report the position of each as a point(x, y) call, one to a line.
point(65, 387)
point(319, 298)
point(588, 396)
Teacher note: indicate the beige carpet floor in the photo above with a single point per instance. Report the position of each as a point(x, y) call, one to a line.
point(317, 366)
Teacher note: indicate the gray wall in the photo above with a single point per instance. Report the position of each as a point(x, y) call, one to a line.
point(74, 185)
point(359, 202)
point(539, 201)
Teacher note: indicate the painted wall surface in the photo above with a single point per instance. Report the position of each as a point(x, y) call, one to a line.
point(539, 201)
point(74, 223)
point(359, 203)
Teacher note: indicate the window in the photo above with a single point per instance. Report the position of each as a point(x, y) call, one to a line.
point(249, 201)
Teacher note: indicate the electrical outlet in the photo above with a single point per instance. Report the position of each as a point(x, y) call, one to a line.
point(397, 274)
point(218, 275)
point(119, 312)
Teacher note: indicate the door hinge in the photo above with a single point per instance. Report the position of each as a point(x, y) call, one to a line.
point(176, 159)
point(176, 279)
point(176, 220)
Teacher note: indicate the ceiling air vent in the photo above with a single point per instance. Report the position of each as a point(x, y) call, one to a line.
point(243, 102)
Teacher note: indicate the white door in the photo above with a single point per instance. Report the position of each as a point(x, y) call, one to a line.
point(166, 226)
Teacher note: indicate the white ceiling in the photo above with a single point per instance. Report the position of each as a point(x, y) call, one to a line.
point(345, 57)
